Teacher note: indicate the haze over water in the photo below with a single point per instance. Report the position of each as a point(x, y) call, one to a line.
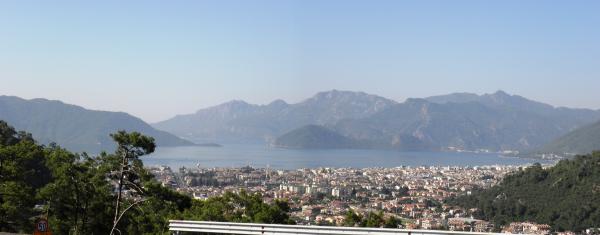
point(260, 156)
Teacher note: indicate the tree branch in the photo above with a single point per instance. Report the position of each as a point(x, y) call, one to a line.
point(121, 215)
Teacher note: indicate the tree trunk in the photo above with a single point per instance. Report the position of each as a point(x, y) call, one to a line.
point(119, 194)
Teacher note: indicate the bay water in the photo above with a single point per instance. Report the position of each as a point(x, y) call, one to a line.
point(261, 156)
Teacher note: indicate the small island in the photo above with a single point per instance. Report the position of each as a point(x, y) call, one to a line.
point(215, 145)
point(314, 137)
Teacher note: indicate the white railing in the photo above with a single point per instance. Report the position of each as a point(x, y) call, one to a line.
point(250, 228)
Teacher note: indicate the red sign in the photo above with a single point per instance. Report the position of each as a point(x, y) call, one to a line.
point(42, 228)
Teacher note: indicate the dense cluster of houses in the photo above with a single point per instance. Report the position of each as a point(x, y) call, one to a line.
point(323, 196)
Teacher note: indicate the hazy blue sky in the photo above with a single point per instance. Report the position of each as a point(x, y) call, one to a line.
point(155, 59)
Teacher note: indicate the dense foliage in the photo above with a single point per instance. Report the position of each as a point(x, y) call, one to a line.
point(22, 174)
point(372, 220)
point(242, 207)
point(79, 194)
point(565, 196)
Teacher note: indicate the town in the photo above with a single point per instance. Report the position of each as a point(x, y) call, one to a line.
point(325, 196)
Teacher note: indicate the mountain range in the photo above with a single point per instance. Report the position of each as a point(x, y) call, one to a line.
point(74, 127)
point(493, 121)
point(330, 119)
point(461, 121)
point(239, 122)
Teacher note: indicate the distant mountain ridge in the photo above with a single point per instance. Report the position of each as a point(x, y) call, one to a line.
point(466, 126)
point(503, 101)
point(239, 122)
point(74, 127)
point(497, 121)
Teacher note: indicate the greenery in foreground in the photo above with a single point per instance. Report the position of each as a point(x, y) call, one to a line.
point(565, 196)
point(79, 193)
point(372, 219)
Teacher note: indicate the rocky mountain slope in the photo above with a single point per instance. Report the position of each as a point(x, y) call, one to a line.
point(240, 122)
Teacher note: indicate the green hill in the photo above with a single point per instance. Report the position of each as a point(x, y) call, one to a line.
point(74, 127)
point(566, 196)
point(582, 140)
point(314, 137)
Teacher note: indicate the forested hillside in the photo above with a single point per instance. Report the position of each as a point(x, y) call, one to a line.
point(565, 196)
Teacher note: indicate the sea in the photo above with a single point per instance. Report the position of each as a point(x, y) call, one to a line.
point(262, 156)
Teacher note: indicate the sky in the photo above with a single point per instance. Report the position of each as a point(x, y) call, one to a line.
point(156, 59)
